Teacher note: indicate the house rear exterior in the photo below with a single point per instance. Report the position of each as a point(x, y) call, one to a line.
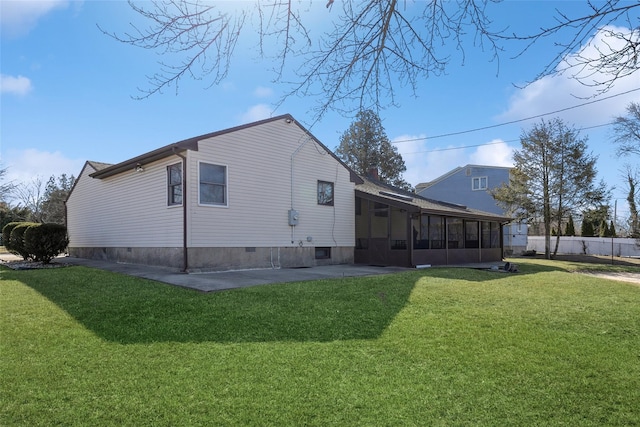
point(266, 194)
point(470, 185)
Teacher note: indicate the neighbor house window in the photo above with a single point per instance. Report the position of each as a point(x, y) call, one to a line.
point(213, 184)
point(325, 193)
point(479, 183)
point(174, 180)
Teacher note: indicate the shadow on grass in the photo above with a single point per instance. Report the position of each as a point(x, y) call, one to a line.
point(483, 274)
point(130, 310)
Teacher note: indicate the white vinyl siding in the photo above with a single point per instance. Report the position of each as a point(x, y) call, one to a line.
point(130, 209)
point(260, 192)
point(125, 210)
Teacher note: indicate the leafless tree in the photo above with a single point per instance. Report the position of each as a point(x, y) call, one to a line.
point(6, 187)
point(626, 137)
point(632, 177)
point(626, 132)
point(371, 47)
point(31, 196)
point(618, 55)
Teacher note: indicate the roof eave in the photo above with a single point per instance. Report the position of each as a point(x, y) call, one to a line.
point(152, 156)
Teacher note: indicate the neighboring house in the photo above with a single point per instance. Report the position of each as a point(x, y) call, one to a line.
point(266, 194)
point(397, 227)
point(470, 185)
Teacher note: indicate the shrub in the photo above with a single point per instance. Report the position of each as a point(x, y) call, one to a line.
point(16, 240)
point(6, 234)
point(45, 241)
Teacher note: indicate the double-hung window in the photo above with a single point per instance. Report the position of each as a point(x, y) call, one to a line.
point(174, 183)
point(479, 183)
point(213, 184)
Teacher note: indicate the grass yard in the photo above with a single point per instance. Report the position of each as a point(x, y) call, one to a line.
point(431, 347)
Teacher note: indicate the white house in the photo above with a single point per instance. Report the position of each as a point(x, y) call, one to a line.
point(265, 194)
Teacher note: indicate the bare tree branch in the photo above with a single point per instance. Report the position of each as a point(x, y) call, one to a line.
point(602, 68)
point(203, 39)
point(626, 132)
point(371, 48)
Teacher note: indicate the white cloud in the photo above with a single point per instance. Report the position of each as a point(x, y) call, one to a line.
point(17, 18)
point(553, 93)
point(425, 162)
point(495, 153)
point(255, 113)
point(23, 166)
point(263, 92)
point(19, 85)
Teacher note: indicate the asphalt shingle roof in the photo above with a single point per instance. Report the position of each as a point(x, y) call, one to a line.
point(397, 195)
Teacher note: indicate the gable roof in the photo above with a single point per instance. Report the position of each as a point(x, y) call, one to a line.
point(104, 170)
point(412, 202)
point(421, 186)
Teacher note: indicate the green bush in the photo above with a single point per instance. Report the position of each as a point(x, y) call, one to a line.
point(16, 240)
point(44, 242)
point(6, 234)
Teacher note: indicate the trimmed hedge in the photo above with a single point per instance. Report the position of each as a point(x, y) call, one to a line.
point(6, 234)
point(44, 242)
point(16, 240)
point(30, 240)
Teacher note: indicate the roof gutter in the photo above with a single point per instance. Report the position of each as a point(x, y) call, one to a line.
point(152, 156)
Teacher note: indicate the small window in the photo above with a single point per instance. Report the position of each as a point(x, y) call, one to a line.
point(325, 193)
point(323, 253)
point(479, 183)
point(213, 184)
point(174, 180)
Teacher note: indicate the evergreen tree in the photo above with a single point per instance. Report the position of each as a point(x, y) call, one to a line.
point(365, 146)
point(612, 230)
point(570, 230)
point(587, 228)
point(55, 194)
point(603, 230)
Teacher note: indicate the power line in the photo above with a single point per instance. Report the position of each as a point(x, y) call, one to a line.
point(491, 143)
point(444, 135)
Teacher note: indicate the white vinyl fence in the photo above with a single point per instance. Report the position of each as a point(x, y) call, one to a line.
point(588, 245)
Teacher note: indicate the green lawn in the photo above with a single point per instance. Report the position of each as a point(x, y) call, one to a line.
point(429, 347)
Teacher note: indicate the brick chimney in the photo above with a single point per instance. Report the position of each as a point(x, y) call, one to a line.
point(373, 173)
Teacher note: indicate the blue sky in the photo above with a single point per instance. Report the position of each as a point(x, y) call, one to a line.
point(67, 96)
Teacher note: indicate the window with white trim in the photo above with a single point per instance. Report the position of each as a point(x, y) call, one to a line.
point(479, 183)
point(213, 184)
point(174, 184)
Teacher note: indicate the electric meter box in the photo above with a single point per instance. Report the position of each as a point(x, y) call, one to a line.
point(293, 217)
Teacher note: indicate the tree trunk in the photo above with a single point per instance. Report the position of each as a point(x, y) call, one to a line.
point(555, 249)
